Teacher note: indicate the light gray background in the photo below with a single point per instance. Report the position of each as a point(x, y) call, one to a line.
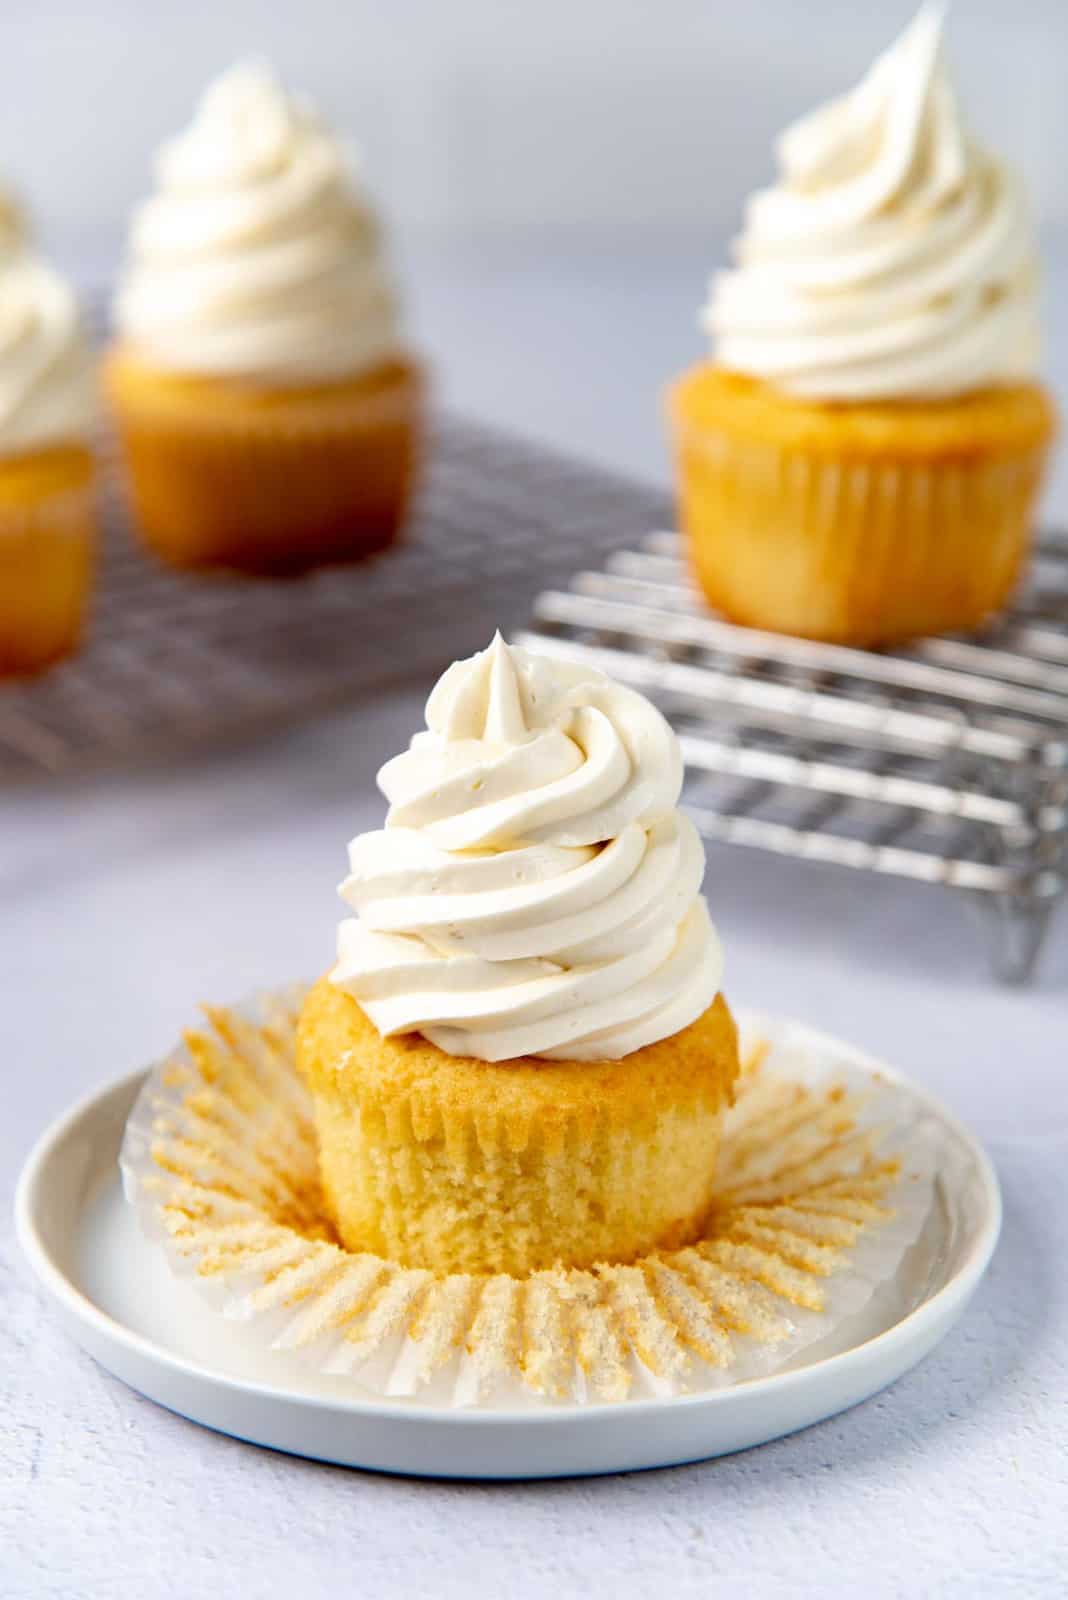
point(497, 114)
point(129, 898)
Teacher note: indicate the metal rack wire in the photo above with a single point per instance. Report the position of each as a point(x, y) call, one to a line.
point(945, 762)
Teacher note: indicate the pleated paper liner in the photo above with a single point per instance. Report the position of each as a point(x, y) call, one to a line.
point(47, 551)
point(826, 1179)
point(858, 524)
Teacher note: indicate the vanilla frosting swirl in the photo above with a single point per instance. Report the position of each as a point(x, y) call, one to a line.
point(47, 387)
point(257, 257)
point(535, 891)
point(894, 259)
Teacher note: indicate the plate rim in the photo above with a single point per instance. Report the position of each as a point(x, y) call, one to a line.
point(61, 1288)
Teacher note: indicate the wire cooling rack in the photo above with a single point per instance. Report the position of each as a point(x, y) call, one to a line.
point(946, 762)
point(176, 658)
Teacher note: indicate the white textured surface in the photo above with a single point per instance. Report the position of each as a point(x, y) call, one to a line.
point(130, 897)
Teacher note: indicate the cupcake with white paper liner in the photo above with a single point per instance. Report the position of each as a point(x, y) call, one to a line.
point(824, 1188)
point(268, 408)
point(859, 461)
point(486, 1154)
point(47, 416)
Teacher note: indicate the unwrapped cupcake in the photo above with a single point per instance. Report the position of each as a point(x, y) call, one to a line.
point(522, 1058)
point(267, 407)
point(47, 414)
point(860, 460)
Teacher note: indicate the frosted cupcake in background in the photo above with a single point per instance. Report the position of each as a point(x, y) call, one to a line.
point(47, 414)
point(860, 460)
point(268, 410)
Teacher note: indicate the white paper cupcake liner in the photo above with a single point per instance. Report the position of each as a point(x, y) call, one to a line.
point(825, 1182)
point(861, 550)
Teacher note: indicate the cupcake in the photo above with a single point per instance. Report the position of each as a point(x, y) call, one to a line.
point(267, 408)
point(47, 412)
point(860, 460)
point(521, 1058)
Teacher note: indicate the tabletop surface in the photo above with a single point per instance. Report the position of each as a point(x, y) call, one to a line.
point(130, 896)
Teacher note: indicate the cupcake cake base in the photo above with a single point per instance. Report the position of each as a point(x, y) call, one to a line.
point(864, 524)
point(446, 1162)
point(232, 474)
point(47, 549)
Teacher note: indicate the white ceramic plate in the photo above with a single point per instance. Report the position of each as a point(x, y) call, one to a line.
point(119, 1300)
